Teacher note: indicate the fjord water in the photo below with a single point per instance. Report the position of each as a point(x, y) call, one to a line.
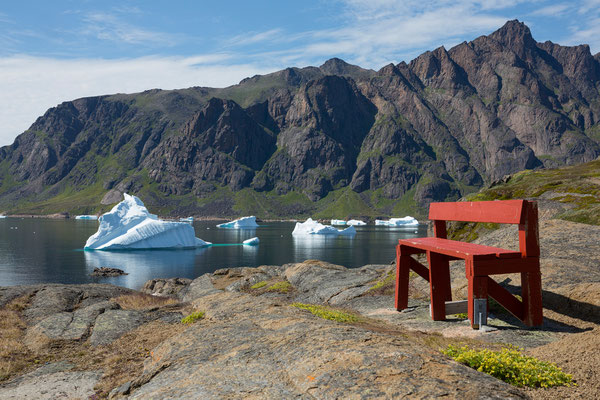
point(36, 250)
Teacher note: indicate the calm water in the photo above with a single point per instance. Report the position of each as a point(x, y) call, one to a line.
point(43, 250)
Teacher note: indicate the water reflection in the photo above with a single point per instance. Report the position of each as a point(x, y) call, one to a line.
point(142, 265)
point(321, 247)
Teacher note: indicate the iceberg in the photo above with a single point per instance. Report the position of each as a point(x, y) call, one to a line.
point(338, 222)
point(356, 222)
point(310, 227)
point(251, 242)
point(188, 219)
point(2, 216)
point(91, 217)
point(244, 222)
point(129, 225)
point(408, 222)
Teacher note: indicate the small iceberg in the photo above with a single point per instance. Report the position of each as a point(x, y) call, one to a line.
point(2, 216)
point(406, 222)
point(90, 217)
point(129, 226)
point(310, 227)
point(244, 222)
point(354, 222)
point(338, 222)
point(188, 219)
point(251, 242)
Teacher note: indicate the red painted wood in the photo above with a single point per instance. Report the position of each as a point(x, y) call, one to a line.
point(502, 212)
point(439, 229)
point(419, 268)
point(505, 298)
point(480, 261)
point(502, 266)
point(459, 249)
point(402, 277)
point(439, 284)
point(529, 242)
point(531, 292)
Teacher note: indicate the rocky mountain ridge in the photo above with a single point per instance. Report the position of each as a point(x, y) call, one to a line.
point(337, 140)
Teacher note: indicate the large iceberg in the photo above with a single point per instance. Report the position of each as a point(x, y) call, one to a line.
point(129, 225)
point(244, 222)
point(356, 222)
point(91, 217)
point(338, 222)
point(310, 227)
point(408, 222)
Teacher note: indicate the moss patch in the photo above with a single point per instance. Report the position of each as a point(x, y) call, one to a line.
point(193, 317)
point(328, 313)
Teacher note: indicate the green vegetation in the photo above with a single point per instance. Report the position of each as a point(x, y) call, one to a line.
point(577, 186)
point(327, 313)
point(282, 287)
point(511, 366)
point(193, 317)
point(259, 285)
point(388, 279)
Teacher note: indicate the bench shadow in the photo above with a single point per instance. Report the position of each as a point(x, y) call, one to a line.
point(560, 304)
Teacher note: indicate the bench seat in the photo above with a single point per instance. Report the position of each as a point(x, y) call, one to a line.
point(459, 250)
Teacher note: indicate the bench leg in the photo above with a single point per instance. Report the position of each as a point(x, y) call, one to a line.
point(531, 291)
point(477, 290)
point(439, 285)
point(402, 276)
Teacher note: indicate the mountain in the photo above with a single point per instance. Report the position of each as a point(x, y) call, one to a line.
point(330, 141)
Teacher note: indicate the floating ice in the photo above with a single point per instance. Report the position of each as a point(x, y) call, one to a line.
point(92, 217)
point(356, 222)
point(402, 222)
point(188, 219)
point(2, 216)
point(129, 225)
point(338, 222)
point(244, 222)
point(310, 227)
point(252, 241)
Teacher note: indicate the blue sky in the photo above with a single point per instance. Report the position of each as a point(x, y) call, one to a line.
point(54, 51)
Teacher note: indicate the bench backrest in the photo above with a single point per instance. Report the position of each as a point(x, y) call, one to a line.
point(521, 212)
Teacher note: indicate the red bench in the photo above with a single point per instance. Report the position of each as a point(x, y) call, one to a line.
point(480, 261)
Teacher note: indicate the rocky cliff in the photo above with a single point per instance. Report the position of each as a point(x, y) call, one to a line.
point(334, 141)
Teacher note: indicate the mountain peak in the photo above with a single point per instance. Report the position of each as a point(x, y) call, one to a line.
point(513, 31)
point(337, 66)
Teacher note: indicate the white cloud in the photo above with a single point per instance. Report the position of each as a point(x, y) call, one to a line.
point(555, 10)
point(31, 85)
point(107, 26)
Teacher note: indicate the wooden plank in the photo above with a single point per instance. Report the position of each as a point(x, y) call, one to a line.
point(419, 268)
point(502, 266)
point(505, 298)
point(499, 211)
point(529, 242)
point(402, 276)
point(531, 291)
point(459, 249)
point(457, 307)
point(439, 284)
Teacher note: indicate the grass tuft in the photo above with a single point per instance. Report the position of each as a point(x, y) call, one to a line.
point(259, 285)
point(282, 287)
point(511, 366)
point(327, 313)
point(193, 317)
